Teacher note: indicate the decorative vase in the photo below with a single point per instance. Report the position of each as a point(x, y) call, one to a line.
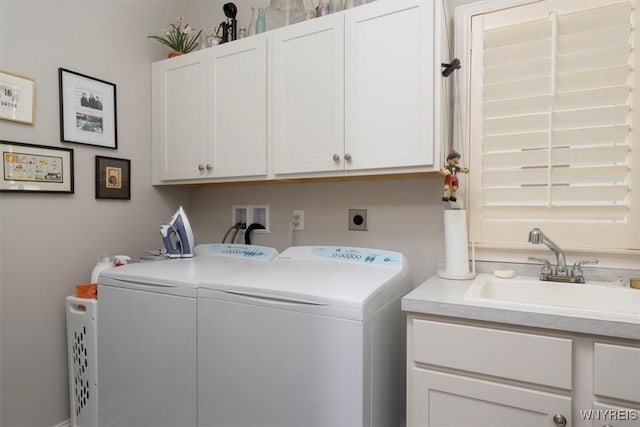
point(260, 22)
point(174, 53)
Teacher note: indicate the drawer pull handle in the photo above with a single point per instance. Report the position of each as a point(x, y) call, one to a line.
point(560, 420)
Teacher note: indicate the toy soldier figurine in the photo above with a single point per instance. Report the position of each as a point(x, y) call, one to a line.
point(450, 171)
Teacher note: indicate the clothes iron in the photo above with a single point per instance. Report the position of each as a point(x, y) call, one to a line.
point(177, 236)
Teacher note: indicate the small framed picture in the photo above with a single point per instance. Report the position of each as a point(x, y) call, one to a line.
point(17, 98)
point(87, 110)
point(113, 178)
point(28, 167)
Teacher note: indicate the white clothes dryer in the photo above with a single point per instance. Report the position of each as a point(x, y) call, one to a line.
point(313, 338)
point(146, 331)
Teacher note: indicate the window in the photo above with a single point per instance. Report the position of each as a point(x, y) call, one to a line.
point(551, 99)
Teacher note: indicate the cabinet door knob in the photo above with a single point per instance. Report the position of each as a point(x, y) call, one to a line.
point(200, 168)
point(336, 158)
point(560, 420)
point(209, 167)
point(347, 157)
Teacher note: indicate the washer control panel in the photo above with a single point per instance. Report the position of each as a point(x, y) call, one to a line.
point(237, 251)
point(359, 255)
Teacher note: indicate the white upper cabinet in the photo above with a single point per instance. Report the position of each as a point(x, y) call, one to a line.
point(355, 92)
point(237, 134)
point(210, 113)
point(392, 84)
point(307, 96)
point(179, 117)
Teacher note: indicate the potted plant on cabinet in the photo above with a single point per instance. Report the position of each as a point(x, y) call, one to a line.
point(180, 39)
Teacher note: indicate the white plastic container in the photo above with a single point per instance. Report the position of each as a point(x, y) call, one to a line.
point(104, 262)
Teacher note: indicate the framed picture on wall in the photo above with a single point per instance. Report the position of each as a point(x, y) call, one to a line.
point(113, 178)
point(87, 110)
point(17, 98)
point(27, 167)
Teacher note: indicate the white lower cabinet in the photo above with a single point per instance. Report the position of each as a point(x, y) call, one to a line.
point(462, 373)
point(444, 399)
point(616, 379)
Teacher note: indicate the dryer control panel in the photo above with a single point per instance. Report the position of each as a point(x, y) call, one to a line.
point(344, 253)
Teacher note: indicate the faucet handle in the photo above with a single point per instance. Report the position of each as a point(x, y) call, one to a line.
point(546, 268)
point(577, 266)
point(585, 261)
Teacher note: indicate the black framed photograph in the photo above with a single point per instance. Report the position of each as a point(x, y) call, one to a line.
point(17, 98)
point(113, 178)
point(39, 168)
point(87, 110)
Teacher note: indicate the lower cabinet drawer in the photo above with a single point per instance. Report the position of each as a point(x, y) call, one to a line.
point(519, 356)
point(616, 371)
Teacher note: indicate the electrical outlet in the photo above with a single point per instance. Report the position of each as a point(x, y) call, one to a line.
point(358, 219)
point(297, 220)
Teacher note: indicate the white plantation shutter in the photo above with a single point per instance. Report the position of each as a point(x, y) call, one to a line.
point(551, 138)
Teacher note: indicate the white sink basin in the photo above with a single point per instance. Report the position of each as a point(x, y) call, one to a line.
point(599, 300)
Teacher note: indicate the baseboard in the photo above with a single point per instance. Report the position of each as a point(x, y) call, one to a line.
point(64, 424)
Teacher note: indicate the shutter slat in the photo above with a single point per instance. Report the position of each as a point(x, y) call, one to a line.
point(594, 59)
point(590, 156)
point(538, 214)
point(594, 19)
point(592, 176)
point(518, 71)
point(526, 123)
point(519, 89)
point(590, 117)
point(591, 136)
point(517, 53)
point(616, 95)
point(598, 39)
point(614, 76)
point(518, 34)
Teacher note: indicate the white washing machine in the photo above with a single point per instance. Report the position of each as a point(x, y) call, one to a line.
point(147, 335)
point(314, 338)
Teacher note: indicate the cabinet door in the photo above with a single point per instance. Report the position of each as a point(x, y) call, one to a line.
point(307, 96)
point(391, 83)
point(237, 136)
point(179, 117)
point(440, 399)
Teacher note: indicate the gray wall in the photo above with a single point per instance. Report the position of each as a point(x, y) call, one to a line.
point(50, 242)
point(404, 215)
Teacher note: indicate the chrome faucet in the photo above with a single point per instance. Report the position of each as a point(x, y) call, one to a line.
point(560, 272)
point(536, 236)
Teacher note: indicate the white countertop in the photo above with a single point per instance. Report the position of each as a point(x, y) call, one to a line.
point(444, 297)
